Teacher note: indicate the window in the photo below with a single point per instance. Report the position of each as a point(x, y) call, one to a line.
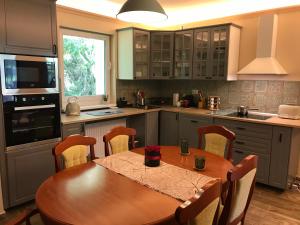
point(84, 66)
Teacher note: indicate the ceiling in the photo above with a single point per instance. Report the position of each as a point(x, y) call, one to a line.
point(185, 11)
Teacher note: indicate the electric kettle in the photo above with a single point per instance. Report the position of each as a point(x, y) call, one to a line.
point(73, 108)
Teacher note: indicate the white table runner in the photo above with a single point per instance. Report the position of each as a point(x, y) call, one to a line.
point(168, 179)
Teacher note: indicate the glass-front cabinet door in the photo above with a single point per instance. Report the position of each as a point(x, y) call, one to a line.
point(183, 54)
point(161, 55)
point(219, 52)
point(141, 45)
point(201, 61)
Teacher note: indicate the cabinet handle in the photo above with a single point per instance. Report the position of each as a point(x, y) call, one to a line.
point(54, 49)
point(280, 138)
point(240, 142)
point(241, 128)
point(239, 152)
point(194, 121)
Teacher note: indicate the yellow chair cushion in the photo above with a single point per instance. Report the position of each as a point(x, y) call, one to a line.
point(119, 144)
point(241, 195)
point(206, 217)
point(215, 143)
point(75, 155)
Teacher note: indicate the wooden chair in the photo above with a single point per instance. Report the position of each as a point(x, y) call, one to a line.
point(120, 139)
point(241, 185)
point(23, 217)
point(217, 140)
point(72, 151)
point(202, 209)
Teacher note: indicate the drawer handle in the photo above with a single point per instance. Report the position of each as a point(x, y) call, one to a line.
point(241, 128)
point(239, 152)
point(194, 121)
point(240, 142)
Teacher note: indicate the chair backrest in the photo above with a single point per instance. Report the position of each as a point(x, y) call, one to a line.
point(217, 140)
point(119, 139)
point(73, 151)
point(241, 185)
point(203, 208)
point(23, 217)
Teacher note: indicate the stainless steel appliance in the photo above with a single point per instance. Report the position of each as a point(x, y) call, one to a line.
point(73, 108)
point(140, 98)
point(242, 110)
point(213, 103)
point(31, 118)
point(28, 75)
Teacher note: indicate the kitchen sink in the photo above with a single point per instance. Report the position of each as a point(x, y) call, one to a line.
point(104, 112)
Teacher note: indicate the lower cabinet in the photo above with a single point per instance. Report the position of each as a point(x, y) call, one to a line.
point(70, 129)
point(263, 164)
point(146, 126)
point(281, 160)
point(169, 128)
point(188, 127)
point(27, 168)
point(277, 158)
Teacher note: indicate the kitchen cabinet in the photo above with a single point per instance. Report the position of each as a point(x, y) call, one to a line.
point(201, 60)
point(133, 54)
point(277, 149)
point(216, 52)
point(146, 126)
point(71, 129)
point(183, 53)
point(280, 157)
point(169, 128)
point(27, 168)
point(254, 139)
point(188, 127)
point(162, 45)
point(28, 27)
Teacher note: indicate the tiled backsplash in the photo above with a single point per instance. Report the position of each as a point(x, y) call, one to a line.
point(264, 95)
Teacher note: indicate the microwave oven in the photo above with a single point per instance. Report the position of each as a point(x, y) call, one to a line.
point(28, 75)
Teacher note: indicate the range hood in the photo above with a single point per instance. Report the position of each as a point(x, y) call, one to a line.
point(265, 62)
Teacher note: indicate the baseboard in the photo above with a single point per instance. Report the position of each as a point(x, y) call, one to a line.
point(2, 212)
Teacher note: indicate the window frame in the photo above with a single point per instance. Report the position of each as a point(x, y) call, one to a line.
point(87, 102)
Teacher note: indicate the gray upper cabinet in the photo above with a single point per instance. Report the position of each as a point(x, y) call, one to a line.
point(216, 52)
point(133, 54)
point(201, 62)
point(169, 126)
point(28, 27)
point(183, 55)
point(162, 45)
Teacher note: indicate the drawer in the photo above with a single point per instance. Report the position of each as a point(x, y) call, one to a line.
point(202, 120)
point(70, 129)
point(247, 129)
point(263, 164)
point(253, 144)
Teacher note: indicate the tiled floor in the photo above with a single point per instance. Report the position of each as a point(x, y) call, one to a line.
point(268, 207)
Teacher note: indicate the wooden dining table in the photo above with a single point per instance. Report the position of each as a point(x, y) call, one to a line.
point(91, 194)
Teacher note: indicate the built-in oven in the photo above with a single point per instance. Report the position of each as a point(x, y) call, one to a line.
point(31, 118)
point(28, 75)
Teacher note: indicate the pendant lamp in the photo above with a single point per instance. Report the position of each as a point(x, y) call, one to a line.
point(142, 11)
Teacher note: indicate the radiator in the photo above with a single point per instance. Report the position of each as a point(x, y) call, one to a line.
point(98, 130)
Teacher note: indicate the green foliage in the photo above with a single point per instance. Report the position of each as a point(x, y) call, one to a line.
point(78, 67)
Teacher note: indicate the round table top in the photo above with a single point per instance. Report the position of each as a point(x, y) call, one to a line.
point(91, 194)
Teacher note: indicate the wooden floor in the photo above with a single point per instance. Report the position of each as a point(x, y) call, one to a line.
point(268, 207)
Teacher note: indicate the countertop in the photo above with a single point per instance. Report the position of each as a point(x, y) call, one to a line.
point(194, 111)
